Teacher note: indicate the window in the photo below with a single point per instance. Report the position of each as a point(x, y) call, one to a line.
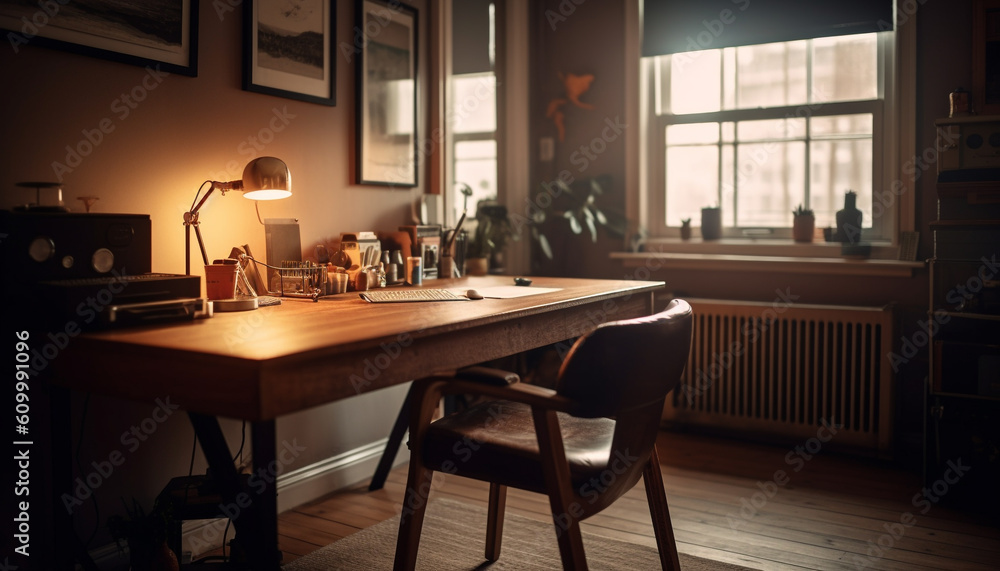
point(472, 105)
point(761, 129)
point(474, 126)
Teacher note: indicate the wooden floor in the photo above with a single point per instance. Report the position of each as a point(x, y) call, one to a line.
point(834, 513)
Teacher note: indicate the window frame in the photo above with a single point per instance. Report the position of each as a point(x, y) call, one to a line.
point(884, 109)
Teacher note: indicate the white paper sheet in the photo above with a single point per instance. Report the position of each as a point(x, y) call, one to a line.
point(507, 292)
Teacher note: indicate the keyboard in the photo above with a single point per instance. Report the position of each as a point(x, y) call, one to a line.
point(406, 295)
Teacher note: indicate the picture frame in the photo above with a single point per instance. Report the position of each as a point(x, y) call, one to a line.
point(291, 53)
point(160, 34)
point(386, 94)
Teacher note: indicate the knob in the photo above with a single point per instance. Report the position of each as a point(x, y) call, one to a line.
point(102, 260)
point(41, 249)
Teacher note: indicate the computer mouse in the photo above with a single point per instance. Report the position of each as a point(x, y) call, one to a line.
point(473, 294)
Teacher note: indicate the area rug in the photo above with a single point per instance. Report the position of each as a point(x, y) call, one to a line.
point(453, 540)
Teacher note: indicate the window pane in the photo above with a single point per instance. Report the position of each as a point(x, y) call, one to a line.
point(771, 75)
point(692, 181)
point(695, 133)
point(860, 124)
point(770, 182)
point(839, 166)
point(695, 81)
point(474, 108)
point(771, 129)
point(845, 68)
point(476, 166)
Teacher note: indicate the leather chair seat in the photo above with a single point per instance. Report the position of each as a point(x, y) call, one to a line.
point(504, 449)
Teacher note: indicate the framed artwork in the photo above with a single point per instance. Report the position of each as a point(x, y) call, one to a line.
point(162, 34)
point(288, 49)
point(387, 94)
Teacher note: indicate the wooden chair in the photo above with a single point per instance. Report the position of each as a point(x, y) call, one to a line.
point(584, 444)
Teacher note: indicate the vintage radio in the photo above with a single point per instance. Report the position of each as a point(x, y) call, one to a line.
point(71, 267)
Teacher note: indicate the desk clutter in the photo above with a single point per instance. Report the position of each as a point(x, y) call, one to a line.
point(358, 262)
point(58, 260)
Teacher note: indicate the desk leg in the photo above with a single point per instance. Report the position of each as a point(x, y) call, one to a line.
point(255, 510)
point(266, 468)
point(62, 476)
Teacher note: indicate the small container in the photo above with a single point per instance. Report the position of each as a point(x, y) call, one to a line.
point(220, 281)
point(960, 104)
point(338, 282)
point(414, 271)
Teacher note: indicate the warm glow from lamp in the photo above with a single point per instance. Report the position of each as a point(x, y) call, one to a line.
point(264, 178)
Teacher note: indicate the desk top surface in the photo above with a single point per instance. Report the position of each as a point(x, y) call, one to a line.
point(278, 359)
point(344, 320)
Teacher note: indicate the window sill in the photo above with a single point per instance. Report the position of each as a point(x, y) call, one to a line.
point(767, 256)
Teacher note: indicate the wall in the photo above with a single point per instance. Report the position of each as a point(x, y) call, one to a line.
point(184, 131)
point(586, 38)
point(580, 38)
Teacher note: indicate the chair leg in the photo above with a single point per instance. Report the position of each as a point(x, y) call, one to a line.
point(494, 521)
point(662, 528)
point(392, 445)
point(557, 480)
point(411, 519)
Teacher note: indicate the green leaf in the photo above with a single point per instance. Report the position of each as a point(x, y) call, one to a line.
point(574, 224)
point(593, 229)
point(601, 218)
point(543, 243)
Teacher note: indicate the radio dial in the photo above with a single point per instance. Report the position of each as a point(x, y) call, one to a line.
point(41, 249)
point(103, 260)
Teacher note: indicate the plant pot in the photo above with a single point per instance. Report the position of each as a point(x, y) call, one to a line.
point(803, 228)
point(711, 223)
point(477, 266)
point(686, 232)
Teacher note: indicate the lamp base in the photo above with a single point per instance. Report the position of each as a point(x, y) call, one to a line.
point(236, 304)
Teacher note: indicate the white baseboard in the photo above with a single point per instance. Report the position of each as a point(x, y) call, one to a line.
point(294, 489)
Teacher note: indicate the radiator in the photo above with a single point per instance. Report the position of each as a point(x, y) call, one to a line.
point(783, 370)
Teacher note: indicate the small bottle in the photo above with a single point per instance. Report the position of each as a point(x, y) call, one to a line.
point(381, 275)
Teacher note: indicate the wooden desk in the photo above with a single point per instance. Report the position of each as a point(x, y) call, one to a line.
point(261, 364)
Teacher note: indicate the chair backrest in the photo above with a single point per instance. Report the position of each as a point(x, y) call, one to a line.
point(631, 364)
point(624, 370)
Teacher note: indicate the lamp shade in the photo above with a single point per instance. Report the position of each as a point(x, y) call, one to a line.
point(266, 178)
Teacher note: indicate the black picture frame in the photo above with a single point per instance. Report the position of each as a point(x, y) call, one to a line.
point(386, 94)
point(162, 36)
point(308, 34)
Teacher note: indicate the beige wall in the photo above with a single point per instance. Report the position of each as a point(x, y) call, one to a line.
point(185, 131)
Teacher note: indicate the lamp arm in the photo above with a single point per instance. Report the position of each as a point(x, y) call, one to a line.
point(191, 219)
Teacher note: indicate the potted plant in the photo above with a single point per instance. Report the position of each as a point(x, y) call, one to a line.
point(485, 248)
point(711, 223)
point(561, 205)
point(686, 229)
point(146, 536)
point(803, 224)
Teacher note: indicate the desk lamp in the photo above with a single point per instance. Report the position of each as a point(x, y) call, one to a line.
point(264, 178)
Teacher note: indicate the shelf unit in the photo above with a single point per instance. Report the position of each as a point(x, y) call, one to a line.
point(962, 422)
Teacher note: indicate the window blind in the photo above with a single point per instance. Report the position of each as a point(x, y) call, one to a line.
point(673, 26)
